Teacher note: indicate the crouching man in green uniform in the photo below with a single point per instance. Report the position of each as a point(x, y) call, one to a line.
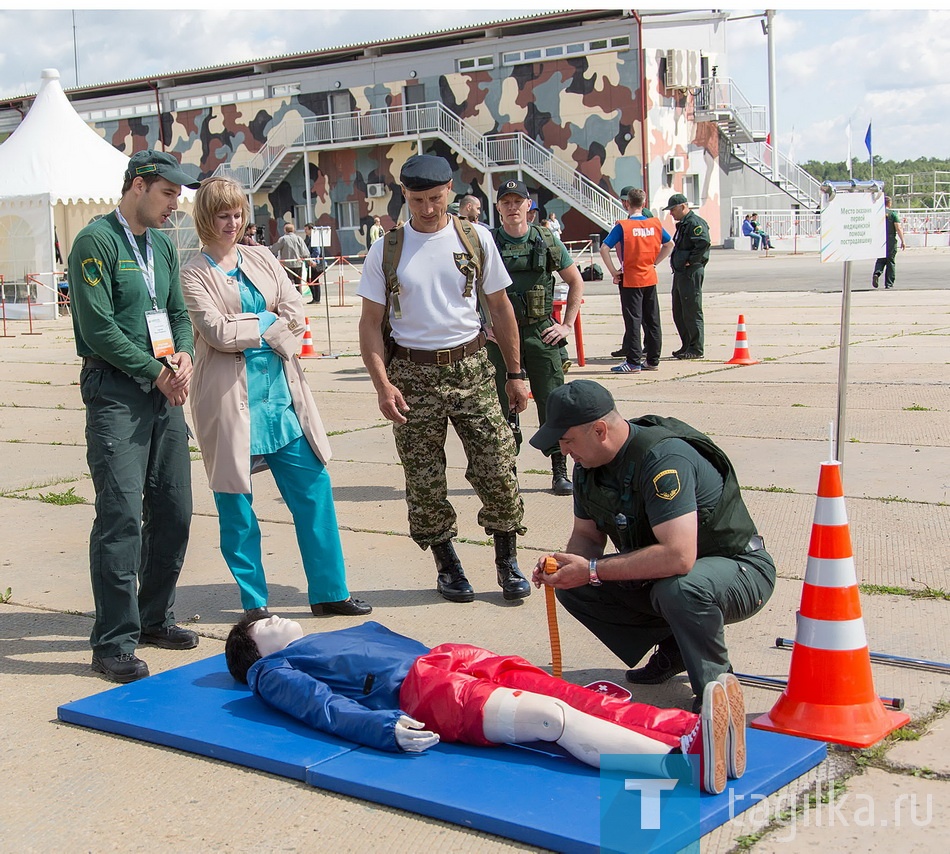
point(135, 339)
point(688, 558)
point(531, 254)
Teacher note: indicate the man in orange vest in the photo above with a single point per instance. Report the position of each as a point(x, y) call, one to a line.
point(641, 243)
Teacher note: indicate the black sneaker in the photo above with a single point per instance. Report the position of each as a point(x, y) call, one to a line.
point(877, 279)
point(257, 613)
point(124, 667)
point(618, 353)
point(170, 637)
point(663, 665)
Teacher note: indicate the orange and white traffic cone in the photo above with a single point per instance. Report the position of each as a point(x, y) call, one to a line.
point(307, 352)
point(741, 354)
point(830, 694)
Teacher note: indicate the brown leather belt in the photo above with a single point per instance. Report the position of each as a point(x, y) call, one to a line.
point(442, 357)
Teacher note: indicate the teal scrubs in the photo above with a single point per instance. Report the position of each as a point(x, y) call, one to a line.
point(303, 481)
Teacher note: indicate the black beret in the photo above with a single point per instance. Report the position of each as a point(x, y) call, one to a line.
point(425, 171)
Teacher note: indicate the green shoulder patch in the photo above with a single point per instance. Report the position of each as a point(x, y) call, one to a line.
point(698, 230)
point(92, 271)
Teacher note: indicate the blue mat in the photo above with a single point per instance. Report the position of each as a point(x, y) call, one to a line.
point(533, 794)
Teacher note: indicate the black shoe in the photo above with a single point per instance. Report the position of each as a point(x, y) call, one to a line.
point(452, 583)
point(688, 356)
point(560, 484)
point(512, 583)
point(663, 665)
point(345, 608)
point(257, 613)
point(876, 280)
point(618, 353)
point(170, 637)
point(124, 667)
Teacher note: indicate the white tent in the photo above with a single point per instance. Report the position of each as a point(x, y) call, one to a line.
point(56, 174)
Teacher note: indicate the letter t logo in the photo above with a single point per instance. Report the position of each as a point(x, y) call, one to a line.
point(649, 799)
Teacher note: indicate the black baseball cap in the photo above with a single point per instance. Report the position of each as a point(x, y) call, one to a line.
point(518, 188)
point(676, 199)
point(425, 171)
point(574, 403)
point(149, 162)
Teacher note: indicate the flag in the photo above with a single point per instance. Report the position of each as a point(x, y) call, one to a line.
point(867, 142)
point(848, 132)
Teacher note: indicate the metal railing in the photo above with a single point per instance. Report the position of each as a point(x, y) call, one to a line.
point(723, 95)
point(511, 151)
point(788, 174)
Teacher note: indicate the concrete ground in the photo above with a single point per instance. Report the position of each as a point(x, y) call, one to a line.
point(70, 789)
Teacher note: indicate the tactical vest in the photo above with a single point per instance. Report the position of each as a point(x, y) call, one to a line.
point(531, 265)
point(725, 529)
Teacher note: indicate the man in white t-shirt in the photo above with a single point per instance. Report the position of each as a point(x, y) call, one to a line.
point(440, 372)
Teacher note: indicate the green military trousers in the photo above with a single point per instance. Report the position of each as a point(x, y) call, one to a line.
point(632, 617)
point(137, 452)
point(542, 363)
point(687, 296)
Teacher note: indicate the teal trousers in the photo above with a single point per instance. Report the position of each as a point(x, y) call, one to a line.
point(304, 484)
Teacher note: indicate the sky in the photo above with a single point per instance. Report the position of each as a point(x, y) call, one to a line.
point(833, 68)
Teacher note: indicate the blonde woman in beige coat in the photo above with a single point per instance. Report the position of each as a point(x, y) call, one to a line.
point(251, 404)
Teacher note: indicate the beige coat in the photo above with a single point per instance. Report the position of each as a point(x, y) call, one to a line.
point(218, 395)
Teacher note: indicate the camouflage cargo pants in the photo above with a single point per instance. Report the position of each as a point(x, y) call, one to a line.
point(463, 393)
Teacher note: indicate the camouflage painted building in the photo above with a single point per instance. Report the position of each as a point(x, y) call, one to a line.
point(579, 103)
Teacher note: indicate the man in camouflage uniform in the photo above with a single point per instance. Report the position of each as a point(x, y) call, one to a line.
point(440, 372)
point(690, 254)
point(531, 254)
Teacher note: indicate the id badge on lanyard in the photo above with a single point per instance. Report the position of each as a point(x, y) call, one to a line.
point(160, 333)
point(159, 326)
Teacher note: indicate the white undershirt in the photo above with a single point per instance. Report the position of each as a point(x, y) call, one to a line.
point(435, 314)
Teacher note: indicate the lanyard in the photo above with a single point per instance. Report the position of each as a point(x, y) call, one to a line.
point(148, 270)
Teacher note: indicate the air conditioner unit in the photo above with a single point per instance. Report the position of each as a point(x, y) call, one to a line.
point(375, 191)
point(675, 69)
point(676, 164)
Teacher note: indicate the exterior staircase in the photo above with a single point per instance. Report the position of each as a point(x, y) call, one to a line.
point(745, 125)
point(295, 135)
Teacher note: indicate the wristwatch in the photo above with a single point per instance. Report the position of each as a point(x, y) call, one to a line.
point(517, 375)
point(594, 578)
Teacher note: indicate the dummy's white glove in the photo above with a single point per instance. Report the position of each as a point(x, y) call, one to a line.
point(411, 737)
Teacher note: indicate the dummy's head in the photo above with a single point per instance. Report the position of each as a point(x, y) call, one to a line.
point(252, 638)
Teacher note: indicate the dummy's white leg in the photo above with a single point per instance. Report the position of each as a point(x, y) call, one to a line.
point(511, 717)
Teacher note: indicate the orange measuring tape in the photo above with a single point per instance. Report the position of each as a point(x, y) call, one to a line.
point(550, 566)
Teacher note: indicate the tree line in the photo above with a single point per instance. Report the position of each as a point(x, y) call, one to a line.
point(923, 171)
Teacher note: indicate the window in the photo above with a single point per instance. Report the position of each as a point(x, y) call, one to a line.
point(691, 190)
point(473, 63)
point(347, 214)
point(516, 57)
point(285, 89)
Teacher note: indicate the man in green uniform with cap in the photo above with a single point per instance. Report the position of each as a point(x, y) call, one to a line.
point(135, 339)
point(531, 254)
point(690, 254)
point(688, 558)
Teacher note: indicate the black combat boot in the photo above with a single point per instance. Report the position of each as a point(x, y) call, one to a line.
point(513, 584)
point(560, 485)
point(452, 583)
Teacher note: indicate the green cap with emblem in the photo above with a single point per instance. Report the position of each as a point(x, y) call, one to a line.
point(569, 405)
point(675, 200)
point(149, 162)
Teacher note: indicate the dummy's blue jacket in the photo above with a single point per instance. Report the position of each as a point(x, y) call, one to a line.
point(345, 683)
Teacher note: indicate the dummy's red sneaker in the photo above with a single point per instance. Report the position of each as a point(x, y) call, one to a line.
point(735, 751)
point(709, 738)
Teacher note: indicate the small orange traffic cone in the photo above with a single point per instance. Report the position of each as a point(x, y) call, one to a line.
point(307, 352)
point(741, 355)
point(830, 694)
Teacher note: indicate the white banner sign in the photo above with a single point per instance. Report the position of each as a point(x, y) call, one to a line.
point(852, 227)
